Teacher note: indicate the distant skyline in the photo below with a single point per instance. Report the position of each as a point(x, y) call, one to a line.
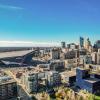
point(48, 22)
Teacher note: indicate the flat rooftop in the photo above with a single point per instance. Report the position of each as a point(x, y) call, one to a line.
point(92, 80)
point(6, 80)
point(69, 73)
point(14, 54)
point(84, 69)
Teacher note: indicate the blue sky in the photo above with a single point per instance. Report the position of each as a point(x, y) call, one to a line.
point(49, 20)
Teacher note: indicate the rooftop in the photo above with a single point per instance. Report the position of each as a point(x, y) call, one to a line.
point(6, 80)
point(92, 80)
point(68, 73)
point(14, 54)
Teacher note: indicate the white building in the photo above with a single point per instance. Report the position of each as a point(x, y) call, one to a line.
point(98, 58)
point(53, 78)
point(30, 80)
point(94, 57)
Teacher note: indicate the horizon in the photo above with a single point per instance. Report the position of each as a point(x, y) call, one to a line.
point(47, 21)
point(36, 44)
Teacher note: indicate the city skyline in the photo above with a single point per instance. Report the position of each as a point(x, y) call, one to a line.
point(48, 21)
point(42, 44)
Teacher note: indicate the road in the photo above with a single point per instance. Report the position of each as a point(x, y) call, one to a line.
point(21, 88)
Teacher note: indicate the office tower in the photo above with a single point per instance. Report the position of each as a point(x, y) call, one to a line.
point(87, 44)
point(8, 88)
point(81, 42)
point(30, 80)
point(63, 44)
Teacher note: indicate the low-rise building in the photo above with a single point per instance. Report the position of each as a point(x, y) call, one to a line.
point(69, 77)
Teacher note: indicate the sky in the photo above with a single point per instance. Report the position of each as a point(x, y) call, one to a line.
point(48, 22)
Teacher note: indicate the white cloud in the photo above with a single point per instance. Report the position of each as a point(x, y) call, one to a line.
point(10, 7)
point(27, 44)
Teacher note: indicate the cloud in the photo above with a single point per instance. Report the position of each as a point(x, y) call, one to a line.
point(10, 7)
point(27, 44)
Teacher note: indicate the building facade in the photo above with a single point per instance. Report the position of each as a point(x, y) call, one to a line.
point(63, 44)
point(87, 81)
point(53, 78)
point(8, 88)
point(30, 80)
point(81, 42)
point(57, 65)
point(55, 53)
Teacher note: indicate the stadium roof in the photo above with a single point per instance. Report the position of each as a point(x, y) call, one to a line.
point(14, 54)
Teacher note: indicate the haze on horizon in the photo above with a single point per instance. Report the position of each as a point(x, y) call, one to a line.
point(48, 21)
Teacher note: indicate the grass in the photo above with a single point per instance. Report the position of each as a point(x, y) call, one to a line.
point(94, 97)
point(97, 98)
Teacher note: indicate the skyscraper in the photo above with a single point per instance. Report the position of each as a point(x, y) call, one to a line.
point(81, 43)
point(87, 44)
point(63, 44)
point(97, 44)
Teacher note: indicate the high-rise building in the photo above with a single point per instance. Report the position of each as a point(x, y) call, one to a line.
point(96, 58)
point(87, 44)
point(57, 65)
point(96, 45)
point(63, 44)
point(81, 43)
point(55, 53)
point(30, 80)
point(87, 81)
point(8, 88)
point(53, 78)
